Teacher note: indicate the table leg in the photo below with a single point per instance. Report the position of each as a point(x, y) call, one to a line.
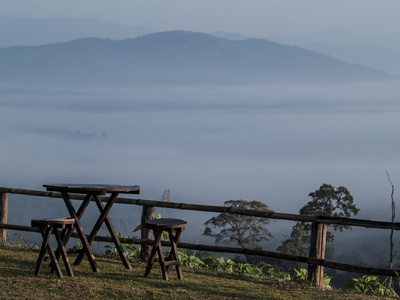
point(79, 214)
point(113, 234)
point(69, 230)
point(104, 210)
point(86, 246)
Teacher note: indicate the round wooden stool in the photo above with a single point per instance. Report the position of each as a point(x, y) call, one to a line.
point(174, 227)
point(46, 227)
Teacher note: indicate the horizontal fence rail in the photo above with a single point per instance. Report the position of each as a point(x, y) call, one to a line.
point(222, 209)
point(278, 255)
point(311, 261)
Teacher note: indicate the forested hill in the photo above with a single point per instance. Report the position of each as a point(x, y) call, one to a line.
point(175, 57)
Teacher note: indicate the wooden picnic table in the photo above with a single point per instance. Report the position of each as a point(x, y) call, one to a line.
point(93, 191)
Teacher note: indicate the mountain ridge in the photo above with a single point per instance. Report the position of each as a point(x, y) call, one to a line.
point(33, 32)
point(175, 57)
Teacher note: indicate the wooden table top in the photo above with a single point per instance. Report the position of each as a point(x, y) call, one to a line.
point(100, 189)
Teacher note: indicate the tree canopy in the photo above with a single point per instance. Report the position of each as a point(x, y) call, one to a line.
point(246, 231)
point(329, 201)
point(326, 201)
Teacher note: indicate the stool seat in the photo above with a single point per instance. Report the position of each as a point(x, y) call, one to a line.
point(174, 227)
point(46, 227)
point(165, 223)
point(59, 223)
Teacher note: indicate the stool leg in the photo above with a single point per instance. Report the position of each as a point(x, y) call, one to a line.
point(65, 236)
point(173, 256)
point(54, 259)
point(156, 246)
point(46, 236)
point(58, 251)
point(47, 246)
point(161, 260)
point(171, 253)
point(60, 242)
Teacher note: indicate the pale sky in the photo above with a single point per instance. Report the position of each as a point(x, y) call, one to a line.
point(253, 18)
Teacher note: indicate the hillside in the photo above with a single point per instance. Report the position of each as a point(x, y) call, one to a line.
point(364, 54)
point(175, 57)
point(17, 281)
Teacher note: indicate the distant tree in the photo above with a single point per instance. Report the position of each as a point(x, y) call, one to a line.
point(246, 231)
point(326, 201)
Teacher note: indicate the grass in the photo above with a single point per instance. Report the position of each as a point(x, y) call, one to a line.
point(17, 281)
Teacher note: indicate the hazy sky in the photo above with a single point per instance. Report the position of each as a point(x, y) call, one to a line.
point(256, 18)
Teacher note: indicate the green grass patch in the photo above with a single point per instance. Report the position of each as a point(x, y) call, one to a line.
point(17, 281)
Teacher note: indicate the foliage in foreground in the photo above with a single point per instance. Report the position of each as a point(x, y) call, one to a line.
point(17, 281)
point(364, 285)
point(230, 266)
point(371, 285)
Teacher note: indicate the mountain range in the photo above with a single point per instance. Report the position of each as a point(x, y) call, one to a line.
point(381, 52)
point(33, 32)
point(375, 51)
point(340, 37)
point(361, 53)
point(178, 57)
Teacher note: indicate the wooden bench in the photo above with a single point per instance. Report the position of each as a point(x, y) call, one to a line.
point(174, 227)
point(46, 227)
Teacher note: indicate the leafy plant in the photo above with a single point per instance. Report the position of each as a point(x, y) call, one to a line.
point(371, 285)
point(364, 285)
point(279, 275)
point(230, 266)
point(78, 246)
point(327, 280)
point(302, 276)
point(190, 261)
point(131, 250)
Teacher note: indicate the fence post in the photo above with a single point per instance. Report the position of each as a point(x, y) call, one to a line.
point(147, 214)
point(3, 215)
point(317, 250)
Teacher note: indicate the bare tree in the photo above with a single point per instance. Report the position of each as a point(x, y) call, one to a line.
point(390, 282)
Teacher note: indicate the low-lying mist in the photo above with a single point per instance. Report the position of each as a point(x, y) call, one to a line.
point(207, 144)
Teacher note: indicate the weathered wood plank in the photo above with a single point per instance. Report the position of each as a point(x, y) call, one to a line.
point(302, 259)
point(3, 215)
point(317, 250)
point(147, 214)
point(223, 209)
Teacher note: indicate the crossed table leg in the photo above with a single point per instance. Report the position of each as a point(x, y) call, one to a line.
point(85, 244)
point(103, 218)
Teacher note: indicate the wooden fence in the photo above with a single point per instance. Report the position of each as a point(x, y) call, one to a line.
point(316, 260)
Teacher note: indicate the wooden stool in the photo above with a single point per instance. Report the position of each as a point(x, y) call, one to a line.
point(46, 227)
point(170, 226)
